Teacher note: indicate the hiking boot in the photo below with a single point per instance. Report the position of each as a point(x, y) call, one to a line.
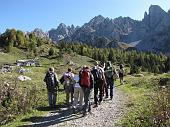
point(95, 106)
point(80, 108)
point(90, 112)
point(74, 110)
point(84, 114)
point(54, 106)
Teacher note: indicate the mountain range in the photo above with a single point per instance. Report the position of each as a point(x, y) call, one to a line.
point(152, 33)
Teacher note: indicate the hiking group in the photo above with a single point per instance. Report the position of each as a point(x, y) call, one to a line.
point(79, 87)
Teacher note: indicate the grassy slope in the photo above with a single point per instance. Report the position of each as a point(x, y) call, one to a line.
point(37, 75)
point(137, 89)
point(11, 57)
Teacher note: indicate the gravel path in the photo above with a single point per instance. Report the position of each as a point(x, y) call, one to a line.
point(107, 114)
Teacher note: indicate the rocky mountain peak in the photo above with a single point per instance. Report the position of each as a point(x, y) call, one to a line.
point(155, 9)
point(61, 26)
point(145, 14)
point(39, 33)
point(96, 21)
point(149, 34)
point(169, 11)
point(154, 17)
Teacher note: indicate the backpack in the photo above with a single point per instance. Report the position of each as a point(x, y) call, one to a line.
point(115, 75)
point(62, 79)
point(85, 78)
point(97, 74)
point(121, 72)
point(51, 82)
point(108, 72)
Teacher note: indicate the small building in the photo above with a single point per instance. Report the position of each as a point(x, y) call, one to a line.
point(31, 62)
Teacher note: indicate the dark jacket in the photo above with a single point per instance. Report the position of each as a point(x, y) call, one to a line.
point(51, 81)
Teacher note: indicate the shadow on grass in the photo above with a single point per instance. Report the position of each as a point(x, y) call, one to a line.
point(58, 107)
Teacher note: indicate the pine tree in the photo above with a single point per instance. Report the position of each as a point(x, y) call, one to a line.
point(51, 51)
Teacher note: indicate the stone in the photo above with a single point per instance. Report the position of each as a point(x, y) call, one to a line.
point(24, 78)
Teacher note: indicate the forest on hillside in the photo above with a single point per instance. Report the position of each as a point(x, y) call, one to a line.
point(136, 60)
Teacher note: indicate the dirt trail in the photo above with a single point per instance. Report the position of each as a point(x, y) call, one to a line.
point(105, 115)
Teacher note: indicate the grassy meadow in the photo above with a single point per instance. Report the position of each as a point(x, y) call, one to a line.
point(146, 104)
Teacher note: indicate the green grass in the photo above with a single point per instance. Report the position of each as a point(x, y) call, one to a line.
point(37, 75)
point(11, 57)
point(138, 90)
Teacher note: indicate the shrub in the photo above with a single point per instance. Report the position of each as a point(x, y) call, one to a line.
point(15, 100)
point(51, 51)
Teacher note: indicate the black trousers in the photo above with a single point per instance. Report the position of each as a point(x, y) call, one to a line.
point(110, 83)
point(98, 87)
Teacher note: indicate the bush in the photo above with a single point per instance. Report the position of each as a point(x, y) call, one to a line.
point(51, 52)
point(135, 69)
point(16, 100)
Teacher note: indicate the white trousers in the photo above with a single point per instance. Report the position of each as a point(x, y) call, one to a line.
point(78, 96)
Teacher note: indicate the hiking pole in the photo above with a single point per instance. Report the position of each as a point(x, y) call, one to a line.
point(58, 95)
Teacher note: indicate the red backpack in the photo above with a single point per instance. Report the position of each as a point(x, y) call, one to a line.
point(85, 78)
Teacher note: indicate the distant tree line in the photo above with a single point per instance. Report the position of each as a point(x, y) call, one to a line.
point(136, 60)
point(16, 38)
point(145, 61)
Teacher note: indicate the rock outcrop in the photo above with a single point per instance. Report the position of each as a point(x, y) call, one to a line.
point(151, 33)
point(39, 33)
point(61, 32)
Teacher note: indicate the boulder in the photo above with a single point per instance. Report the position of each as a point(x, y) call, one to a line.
point(24, 78)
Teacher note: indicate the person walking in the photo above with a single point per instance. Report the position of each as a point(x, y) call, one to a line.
point(86, 83)
point(78, 94)
point(99, 80)
point(52, 82)
point(121, 74)
point(102, 81)
point(109, 79)
point(68, 85)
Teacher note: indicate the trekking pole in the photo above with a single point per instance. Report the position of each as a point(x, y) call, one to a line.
point(58, 95)
point(58, 99)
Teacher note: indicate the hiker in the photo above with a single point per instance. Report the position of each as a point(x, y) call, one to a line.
point(102, 81)
point(86, 83)
point(68, 85)
point(78, 94)
point(51, 81)
point(121, 74)
point(108, 71)
point(98, 74)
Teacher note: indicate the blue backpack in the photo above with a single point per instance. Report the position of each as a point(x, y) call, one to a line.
point(97, 74)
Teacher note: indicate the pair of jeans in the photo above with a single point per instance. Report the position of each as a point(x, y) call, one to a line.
point(87, 103)
point(110, 83)
point(52, 99)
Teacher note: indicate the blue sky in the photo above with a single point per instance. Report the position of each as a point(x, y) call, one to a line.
point(27, 15)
